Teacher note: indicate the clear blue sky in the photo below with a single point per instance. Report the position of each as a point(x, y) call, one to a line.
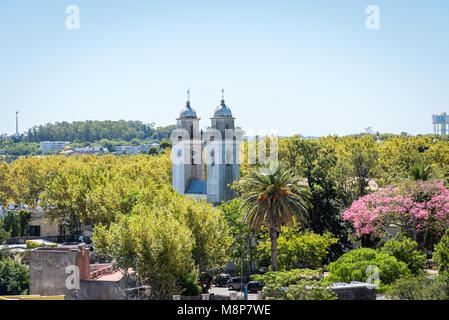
point(308, 67)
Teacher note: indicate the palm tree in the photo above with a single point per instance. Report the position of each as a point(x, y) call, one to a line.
point(274, 197)
point(420, 172)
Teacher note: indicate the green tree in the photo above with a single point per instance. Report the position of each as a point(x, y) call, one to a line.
point(316, 161)
point(203, 229)
point(14, 277)
point(406, 251)
point(298, 250)
point(153, 151)
point(275, 197)
point(4, 235)
point(441, 253)
point(361, 263)
point(243, 239)
point(156, 244)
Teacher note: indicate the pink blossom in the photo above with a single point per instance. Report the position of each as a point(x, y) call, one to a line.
point(409, 205)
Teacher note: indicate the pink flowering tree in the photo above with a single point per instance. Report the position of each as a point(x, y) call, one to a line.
point(419, 209)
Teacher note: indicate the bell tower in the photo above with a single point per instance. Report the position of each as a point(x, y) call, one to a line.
point(222, 155)
point(187, 149)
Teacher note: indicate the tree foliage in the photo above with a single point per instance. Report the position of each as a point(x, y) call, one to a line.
point(190, 235)
point(420, 209)
point(275, 197)
point(14, 277)
point(360, 264)
point(91, 131)
point(298, 249)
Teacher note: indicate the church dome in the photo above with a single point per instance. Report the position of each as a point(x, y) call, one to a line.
point(222, 111)
point(187, 112)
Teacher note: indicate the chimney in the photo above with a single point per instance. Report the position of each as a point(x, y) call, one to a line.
point(82, 261)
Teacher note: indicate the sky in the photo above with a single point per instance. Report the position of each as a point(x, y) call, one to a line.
point(291, 67)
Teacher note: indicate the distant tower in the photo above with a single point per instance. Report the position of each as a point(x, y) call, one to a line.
point(222, 156)
point(187, 156)
point(440, 123)
point(17, 122)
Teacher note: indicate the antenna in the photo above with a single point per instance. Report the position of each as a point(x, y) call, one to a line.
point(222, 93)
point(17, 122)
point(188, 94)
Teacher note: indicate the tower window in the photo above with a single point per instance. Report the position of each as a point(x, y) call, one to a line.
point(212, 138)
point(179, 138)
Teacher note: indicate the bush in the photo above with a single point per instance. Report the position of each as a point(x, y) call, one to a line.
point(297, 284)
point(441, 253)
point(357, 265)
point(14, 277)
point(406, 252)
point(188, 283)
point(33, 244)
point(308, 290)
point(420, 288)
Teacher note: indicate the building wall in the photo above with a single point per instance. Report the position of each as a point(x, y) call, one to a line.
point(47, 228)
point(223, 166)
point(48, 272)
point(48, 276)
point(100, 290)
point(191, 167)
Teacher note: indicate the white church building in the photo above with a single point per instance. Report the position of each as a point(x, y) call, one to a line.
point(214, 151)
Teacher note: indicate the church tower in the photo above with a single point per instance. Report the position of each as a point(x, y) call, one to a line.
point(222, 155)
point(187, 151)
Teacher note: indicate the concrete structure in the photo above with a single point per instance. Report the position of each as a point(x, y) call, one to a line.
point(52, 272)
point(440, 123)
point(52, 146)
point(354, 291)
point(188, 161)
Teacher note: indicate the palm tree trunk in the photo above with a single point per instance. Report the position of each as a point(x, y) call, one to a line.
point(274, 249)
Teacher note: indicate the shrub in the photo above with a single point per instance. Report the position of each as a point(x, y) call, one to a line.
point(14, 277)
point(33, 245)
point(188, 283)
point(308, 290)
point(357, 265)
point(406, 251)
point(420, 288)
point(441, 253)
point(297, 284)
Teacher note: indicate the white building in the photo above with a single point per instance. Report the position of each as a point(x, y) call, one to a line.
point(222, 155)
point(51, 146)
point(3, 136)
point(133, 149)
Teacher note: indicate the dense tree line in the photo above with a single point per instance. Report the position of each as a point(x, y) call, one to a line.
point(137, 216)
point(92, 131)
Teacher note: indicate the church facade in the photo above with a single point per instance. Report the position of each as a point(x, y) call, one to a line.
point(205, 163)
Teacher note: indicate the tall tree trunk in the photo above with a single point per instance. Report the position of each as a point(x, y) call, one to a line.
point(274, 249)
